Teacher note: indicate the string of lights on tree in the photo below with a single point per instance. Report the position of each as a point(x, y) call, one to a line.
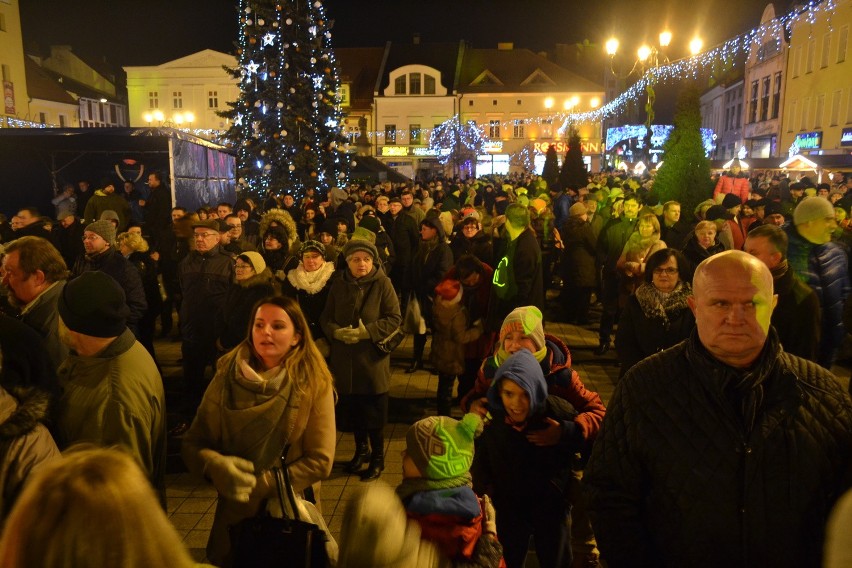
point(287, 120)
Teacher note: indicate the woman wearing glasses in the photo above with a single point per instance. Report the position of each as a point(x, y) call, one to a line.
point(656, 315)
point(253, 281)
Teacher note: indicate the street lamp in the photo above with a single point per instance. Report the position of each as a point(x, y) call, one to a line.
point(189, 117)
point(158, 116)
point(695, 45)
point(148, 117)
point(648, 58)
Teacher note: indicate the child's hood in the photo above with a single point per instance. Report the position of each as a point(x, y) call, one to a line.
point(525, 371)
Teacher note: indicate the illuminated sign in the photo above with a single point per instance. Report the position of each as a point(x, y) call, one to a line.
point(586, 146)
point(423, 151)
point(846, 137)
point(394, 150)
point(493, 146)
point(809, 140)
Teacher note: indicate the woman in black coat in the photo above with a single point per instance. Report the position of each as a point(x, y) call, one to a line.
point(309, 284)
point(656, 316)
point(702, 244)
point(253, 281)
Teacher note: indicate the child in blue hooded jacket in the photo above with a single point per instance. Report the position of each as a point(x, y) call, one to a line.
point(527, 480)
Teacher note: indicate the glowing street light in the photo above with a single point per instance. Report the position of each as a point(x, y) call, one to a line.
point(665, 38)
point(148, 117)
point(177, 118)
point(158, 116)
point(548, 102)
point(189, 117)
point(644, 53)
point(611, 46)
point(595, 102)
point(695, 45)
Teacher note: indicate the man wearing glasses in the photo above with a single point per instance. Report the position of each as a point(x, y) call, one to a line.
point(230, 233)
point(204, 276)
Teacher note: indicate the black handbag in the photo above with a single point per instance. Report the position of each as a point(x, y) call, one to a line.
point(264, 541)
point(391, 342)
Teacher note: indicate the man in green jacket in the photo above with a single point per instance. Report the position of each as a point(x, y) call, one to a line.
point(111, 391)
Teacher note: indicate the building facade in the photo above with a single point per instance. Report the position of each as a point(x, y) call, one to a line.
point(183, 93)
point(764, 88)
point(817, 117)
point(721, 111)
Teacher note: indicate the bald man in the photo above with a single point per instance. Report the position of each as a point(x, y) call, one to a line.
point(723, 450)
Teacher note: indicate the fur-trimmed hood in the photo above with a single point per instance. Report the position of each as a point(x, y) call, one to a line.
point(21, 410)
point(285, 220)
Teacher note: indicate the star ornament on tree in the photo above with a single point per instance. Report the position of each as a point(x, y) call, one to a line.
point(268, 39)
point(252, 67)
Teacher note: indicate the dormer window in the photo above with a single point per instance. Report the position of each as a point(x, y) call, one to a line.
point(399, 86)
point(415, 80)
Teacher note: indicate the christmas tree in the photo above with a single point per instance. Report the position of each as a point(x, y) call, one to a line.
point(550, 171)
point(685, 173)
point(286, 124)
point(458, 145)
point(573, 174)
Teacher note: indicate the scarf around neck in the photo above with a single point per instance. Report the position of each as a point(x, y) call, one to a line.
point(310, 282)
point(658, 305)
point(412, 485)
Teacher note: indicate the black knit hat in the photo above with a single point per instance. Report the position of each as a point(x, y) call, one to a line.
point(94, 304)
point(311, 245)
point(370, 223)
point(730, 200)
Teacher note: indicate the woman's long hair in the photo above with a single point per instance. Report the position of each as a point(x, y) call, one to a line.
point(303, 362)
point(94, 507)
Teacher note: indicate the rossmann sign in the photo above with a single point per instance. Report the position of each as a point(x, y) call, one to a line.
point(587, 147)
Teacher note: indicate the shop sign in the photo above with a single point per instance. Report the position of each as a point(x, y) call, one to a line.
point(394, 150)
point(587, 147)
point(493, 146)
point(846, 137)
point(809, 140)
point(423, 151)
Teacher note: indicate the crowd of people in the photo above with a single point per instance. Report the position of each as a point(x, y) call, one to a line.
point(727, 441)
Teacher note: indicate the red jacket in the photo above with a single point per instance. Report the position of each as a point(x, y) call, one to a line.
point(562, 381)
point(739, 186)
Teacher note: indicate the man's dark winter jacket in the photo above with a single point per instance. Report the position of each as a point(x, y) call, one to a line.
point(519, 280)
point(204, 282)
point(675, 479)
point(111, 262)
point(796, 317)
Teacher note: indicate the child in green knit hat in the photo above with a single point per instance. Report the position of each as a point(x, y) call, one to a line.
point(437, 492)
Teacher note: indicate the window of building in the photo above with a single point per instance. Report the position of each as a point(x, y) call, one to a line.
point(518, 128)
point(494, 129)
point(809, 66)
point(842, 40)
point(826, 50)
point(764, 99)
point(42, 118)
point(547, 128)
point(752, 110)
point(177, 99)
point(776, 96)
point(792, 115)
point(739, 114)
point(415, 137)
point(113, 114)
point(390, 133)
point(819, 111)
point(727, 118)
point(62, 121)
point(399, 86)
point(428, 85)
point(806, 102)
point(470, 102)
point(835, 108)
point(414, 83)
point(519, 102)
point(212, 99)
point(153, 99)
point(2, 22)
point(7, 73)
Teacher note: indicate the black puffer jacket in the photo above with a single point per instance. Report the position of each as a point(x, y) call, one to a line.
point(674, 480)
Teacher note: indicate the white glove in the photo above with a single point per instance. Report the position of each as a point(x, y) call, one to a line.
point(362, 331)
point(347, 335)
point(232, 476)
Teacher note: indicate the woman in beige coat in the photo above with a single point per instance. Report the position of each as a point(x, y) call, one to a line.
point(272, 389)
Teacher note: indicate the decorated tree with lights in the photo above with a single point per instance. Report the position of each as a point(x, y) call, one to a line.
point(457, 144)
point(286, 123)
point(523, 158)
point(573, 174)
point(685, 173)
point(550, 171)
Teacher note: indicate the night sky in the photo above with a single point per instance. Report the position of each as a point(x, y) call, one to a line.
point(149, 32)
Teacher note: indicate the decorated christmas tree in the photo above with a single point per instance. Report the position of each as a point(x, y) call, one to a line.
point(286, 124)
point(685, 173)
point(458, 145)
point(550, 171)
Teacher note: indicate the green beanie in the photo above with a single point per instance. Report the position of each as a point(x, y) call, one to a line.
point(441, 447)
